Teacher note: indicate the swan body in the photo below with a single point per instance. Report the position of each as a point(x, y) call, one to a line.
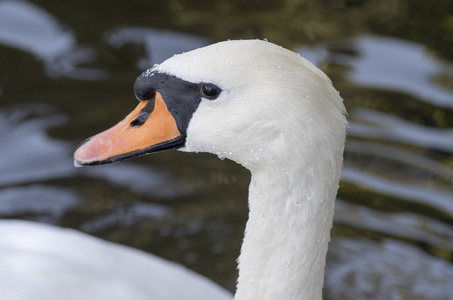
point(40, 261)
point(269, 110)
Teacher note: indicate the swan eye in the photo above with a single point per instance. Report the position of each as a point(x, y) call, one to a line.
point(209, 90)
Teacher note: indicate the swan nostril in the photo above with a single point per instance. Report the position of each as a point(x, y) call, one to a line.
point(140, 120)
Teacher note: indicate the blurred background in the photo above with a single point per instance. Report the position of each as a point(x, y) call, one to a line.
point(67, 70)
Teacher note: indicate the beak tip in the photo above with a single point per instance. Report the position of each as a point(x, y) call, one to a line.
point(84, 154)
point(77, 163)
point(78, 160)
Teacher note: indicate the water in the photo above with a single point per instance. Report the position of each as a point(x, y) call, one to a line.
point(67, 71)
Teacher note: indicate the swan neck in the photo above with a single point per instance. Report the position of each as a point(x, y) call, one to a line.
point(287, 234)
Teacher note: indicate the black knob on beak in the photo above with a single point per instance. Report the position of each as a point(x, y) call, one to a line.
point(144, 88)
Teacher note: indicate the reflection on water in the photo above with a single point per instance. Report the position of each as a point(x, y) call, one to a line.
point(125, 215)
point(44, 203)
point(159, 45)
point(28, 154)
point(360, 270)
point(29, 28)
point(393, 235)
point(439, 199)
point(398, 65)
point(142, 180)
point(381, 126)
point(390, 64)
point(402, 225)
point(427, 166)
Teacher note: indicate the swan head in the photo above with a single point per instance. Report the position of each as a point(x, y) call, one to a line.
point(250, 101)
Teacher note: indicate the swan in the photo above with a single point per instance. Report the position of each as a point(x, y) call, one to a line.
point(273, 112)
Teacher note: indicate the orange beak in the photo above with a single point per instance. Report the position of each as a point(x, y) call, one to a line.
point(146, 129)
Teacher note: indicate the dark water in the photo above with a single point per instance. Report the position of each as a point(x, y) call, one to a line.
point(67, 70)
